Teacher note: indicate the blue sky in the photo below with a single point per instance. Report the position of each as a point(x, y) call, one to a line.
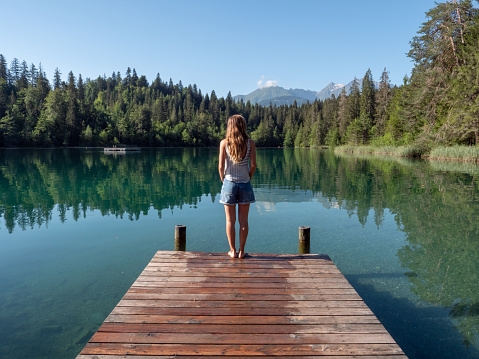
point(218, 45)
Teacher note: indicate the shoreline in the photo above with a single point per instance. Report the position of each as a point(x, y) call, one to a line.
point(460, 154)
point(463, 154)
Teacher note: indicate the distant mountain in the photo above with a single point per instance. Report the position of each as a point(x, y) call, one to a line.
point(274, 94)
point(281, 96)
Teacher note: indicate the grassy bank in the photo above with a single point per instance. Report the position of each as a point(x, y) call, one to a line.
point(453, 153)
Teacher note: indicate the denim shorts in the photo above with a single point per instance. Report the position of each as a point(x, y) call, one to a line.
point(233, 193)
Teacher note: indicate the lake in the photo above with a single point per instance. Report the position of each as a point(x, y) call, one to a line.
point(78, 226)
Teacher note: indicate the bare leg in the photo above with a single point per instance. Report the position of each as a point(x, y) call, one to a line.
point(243, 211)
point(230, 212)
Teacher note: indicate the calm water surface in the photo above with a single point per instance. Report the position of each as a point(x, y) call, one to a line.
point(78, 226)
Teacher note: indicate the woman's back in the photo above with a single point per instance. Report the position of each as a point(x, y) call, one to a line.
point(238, 171)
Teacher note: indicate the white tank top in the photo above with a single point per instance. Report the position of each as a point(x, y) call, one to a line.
point(237, 171)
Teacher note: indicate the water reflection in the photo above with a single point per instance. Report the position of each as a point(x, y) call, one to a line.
point(32, 183)
point(435, 205)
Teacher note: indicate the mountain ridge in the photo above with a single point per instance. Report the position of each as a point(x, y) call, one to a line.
point(277, 95)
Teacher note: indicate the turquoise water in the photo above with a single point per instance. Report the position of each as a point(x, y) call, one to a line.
point(78, 226)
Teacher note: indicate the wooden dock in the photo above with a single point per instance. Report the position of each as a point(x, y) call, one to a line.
point(207, 305)
point(121, 149)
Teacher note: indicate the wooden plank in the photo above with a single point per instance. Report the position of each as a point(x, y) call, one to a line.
point(240, 296)
point(260, 320)
point(238, 328)
point(242, 350)
point(245, 287)
point(198, 305)
point(263, 272)
point(241, 311)
point(198, 290)
point(239, 338)
point(242, 282)
point(211, 303)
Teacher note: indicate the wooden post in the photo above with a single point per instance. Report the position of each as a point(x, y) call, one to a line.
point(180, 237)
point(304, 246)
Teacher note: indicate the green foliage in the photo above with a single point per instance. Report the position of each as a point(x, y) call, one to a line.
point(298, 141)
point(461, 123)
point(354, 133)
point(288, 139)
point(386, 140)
point(332, 139)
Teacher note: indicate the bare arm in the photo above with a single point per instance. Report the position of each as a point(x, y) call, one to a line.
point(252, 156)
point(222, 157)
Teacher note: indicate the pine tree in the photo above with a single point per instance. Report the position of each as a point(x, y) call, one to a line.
point(71, 85)
point(42, 85)
point(343, 114)
point(3, 68)
point(353, 100)
point(288, 139)
point(383, 98)
point(298, 141)
point(57, 80)
point(127, 79)
point(24, 76)
point(72, 120)
point(213, 108)
point(15, 71)
point(367, 106)
point(436, 52)
point(462, 125)
point(3, 97)
point(396, 127)
point(33, 75)
point(81, 90)
point(134, 79)
point(10, 126)
point(439, 37)
point(3, 86)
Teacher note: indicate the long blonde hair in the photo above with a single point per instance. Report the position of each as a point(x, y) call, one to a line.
point(236, 137)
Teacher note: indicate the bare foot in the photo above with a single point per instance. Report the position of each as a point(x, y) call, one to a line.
point(241, 254)
point(232, 253)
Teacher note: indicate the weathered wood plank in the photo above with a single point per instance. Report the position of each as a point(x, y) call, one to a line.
point(200, 263)
point(239, 272)
point(241, 297)
point(240, 338)
point(241, 304)
point(242, 311)
point(241, 282)
point(198, 290)
point(259, 320)
point(240, 328)
point(242, 350)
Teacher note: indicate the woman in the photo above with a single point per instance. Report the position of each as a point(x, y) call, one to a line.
point(237, 163)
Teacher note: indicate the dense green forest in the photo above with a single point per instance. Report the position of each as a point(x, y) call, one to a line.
point(437, 104)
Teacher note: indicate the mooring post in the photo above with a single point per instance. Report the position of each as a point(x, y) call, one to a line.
point(180, 237)
point(304, 246)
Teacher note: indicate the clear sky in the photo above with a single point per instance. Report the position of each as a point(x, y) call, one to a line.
point(218, 45)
